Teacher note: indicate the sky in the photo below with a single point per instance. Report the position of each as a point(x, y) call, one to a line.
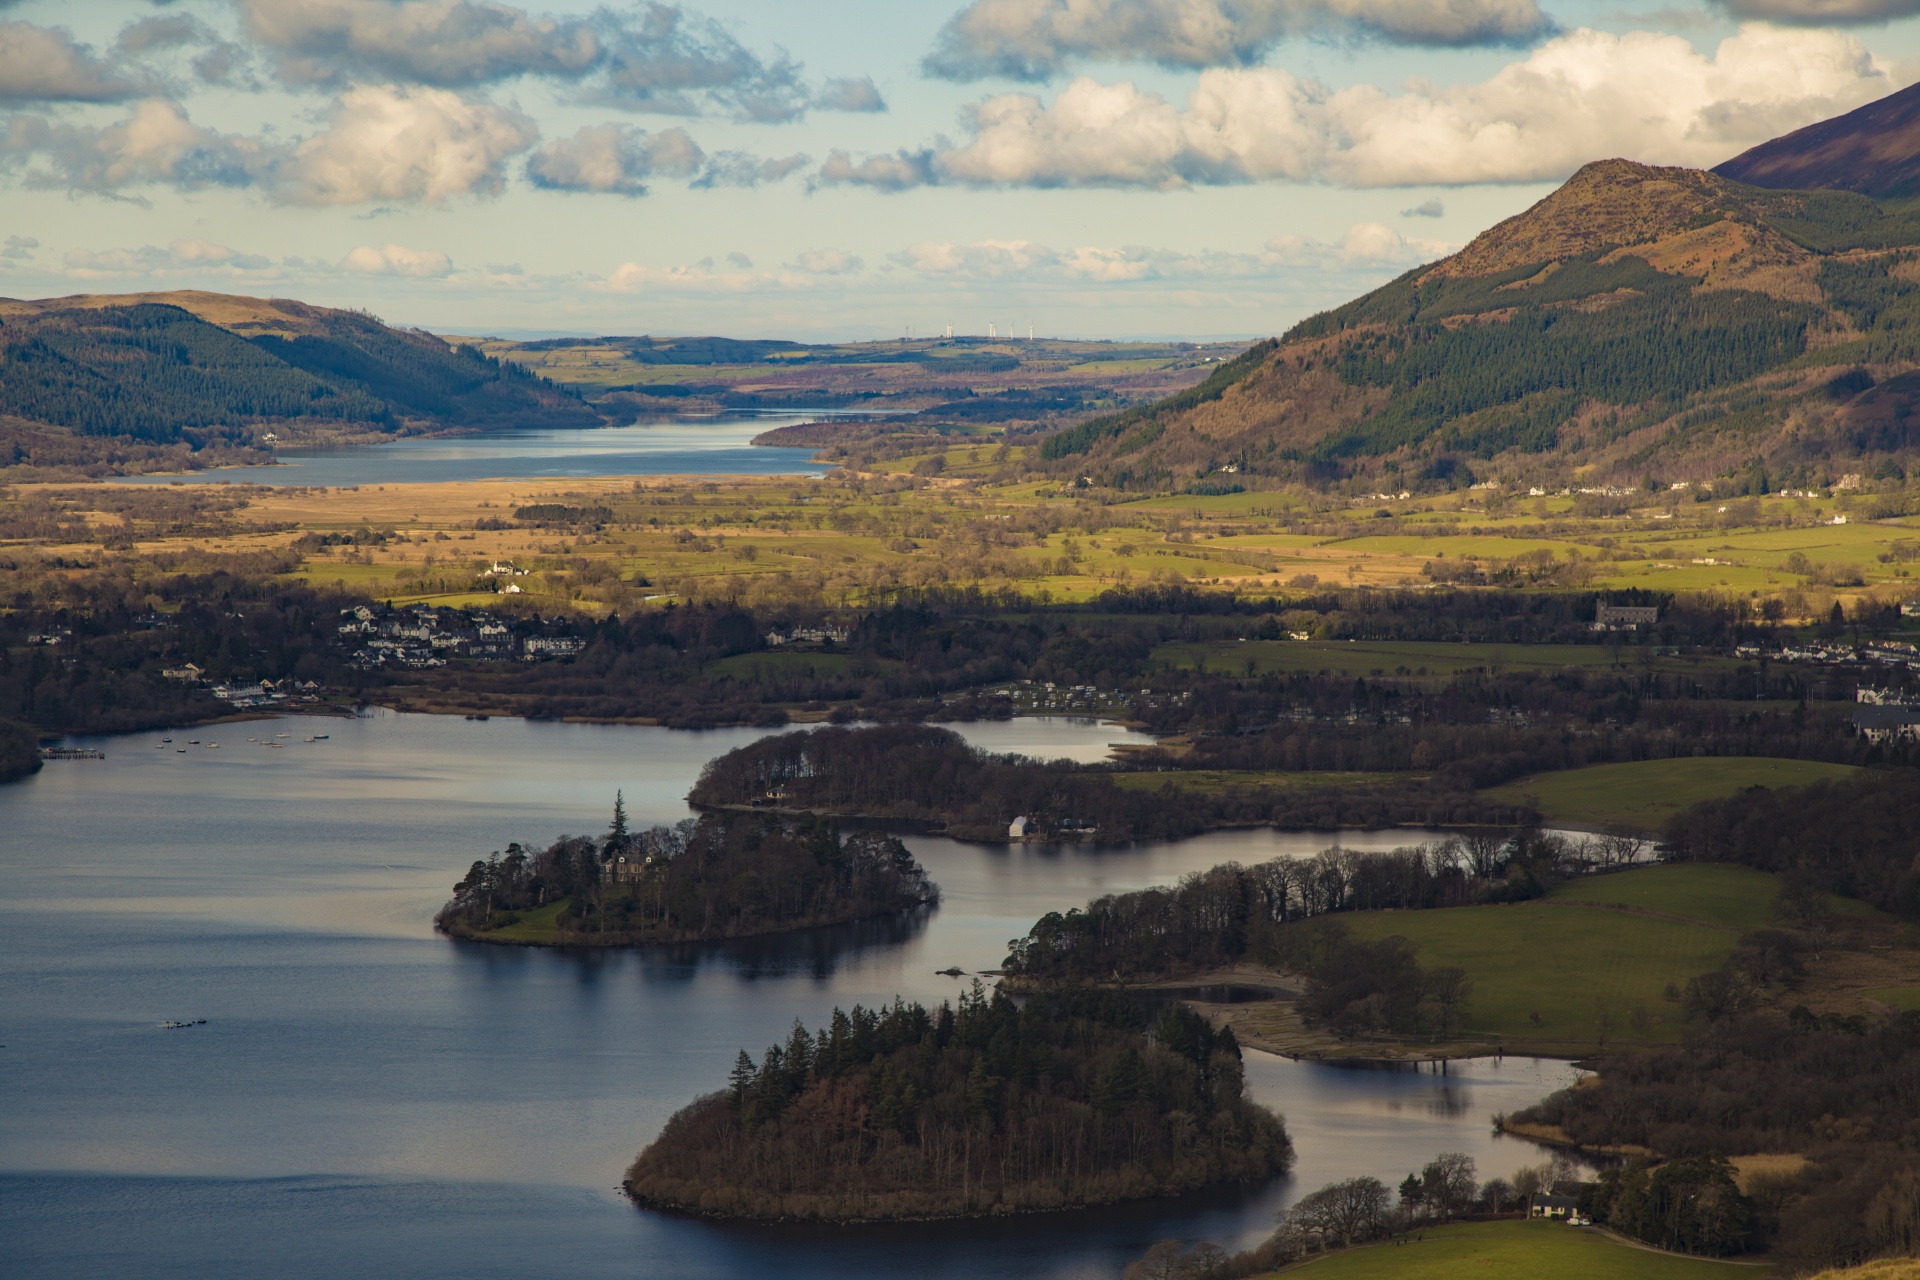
point(856, 169)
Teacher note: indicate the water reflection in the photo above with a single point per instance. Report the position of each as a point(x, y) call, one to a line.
point(369, 1099)
point(815, 953)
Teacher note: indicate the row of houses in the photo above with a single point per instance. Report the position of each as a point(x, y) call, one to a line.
point(423, 636)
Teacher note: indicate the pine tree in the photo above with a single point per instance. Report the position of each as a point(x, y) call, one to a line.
point(740, 1079)
point(617, 837)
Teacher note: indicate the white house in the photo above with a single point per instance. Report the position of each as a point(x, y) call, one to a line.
point(1019, 829)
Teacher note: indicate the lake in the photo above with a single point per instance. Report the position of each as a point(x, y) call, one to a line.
point(367, 1099)
point(680, 446)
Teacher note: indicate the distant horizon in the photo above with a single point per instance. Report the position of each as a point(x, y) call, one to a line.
point(1193, 170)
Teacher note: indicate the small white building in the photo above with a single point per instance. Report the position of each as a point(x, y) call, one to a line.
point(1019, 828)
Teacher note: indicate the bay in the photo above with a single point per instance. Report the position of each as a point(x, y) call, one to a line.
point(369, 1099)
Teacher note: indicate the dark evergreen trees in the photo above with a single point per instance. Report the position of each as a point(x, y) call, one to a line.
point(1075, 1097)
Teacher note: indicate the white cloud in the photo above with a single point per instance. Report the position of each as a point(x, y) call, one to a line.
point(380, 143)
point(896, 172)
point(851, 94)
point(1824, 13)
point(155, 144)
point(1583, 96)
point(19, 247)
point(1428, 208)
point(448, 43)
point(1366, 246)
point(196, 258)
point(744, 169)
point(828, 262)
point(1036, 39)
point(677, 63)
point(390, 143)
point(618, 158)
point(161, 31)
point(633, 277)
point(614, 158)
point(45, 64)
point(398, 260)
point(653, 57)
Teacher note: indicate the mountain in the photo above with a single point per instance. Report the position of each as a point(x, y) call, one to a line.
point(1640, 324)
point(211, 369)
point(1874, 151)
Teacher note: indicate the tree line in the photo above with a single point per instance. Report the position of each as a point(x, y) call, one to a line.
point(717, 876)
point(928, 775)
point(1362, 1210)
point(1234, 912)
point(1854, 837)
point(1071, 1098)
point(1844, 1090)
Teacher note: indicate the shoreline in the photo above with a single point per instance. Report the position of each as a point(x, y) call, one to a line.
point(601, 942)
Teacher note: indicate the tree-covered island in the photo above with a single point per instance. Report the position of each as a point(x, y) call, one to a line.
point(718, 876)
point(1074, 1097)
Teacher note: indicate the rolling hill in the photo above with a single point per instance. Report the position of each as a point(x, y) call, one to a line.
point(1639, 326)
point(206, 370)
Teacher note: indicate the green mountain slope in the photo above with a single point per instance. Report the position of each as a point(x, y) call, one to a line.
point(1638, 324)
point(205, 369)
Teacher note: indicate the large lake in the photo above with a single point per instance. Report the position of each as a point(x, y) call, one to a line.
point(369, 1100)
point(681, 446)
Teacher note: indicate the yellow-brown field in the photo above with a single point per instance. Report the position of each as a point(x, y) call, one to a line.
point(843, 539)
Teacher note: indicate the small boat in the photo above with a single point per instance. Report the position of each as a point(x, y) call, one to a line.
point(166, 739)
point(318, 737)
point(954, 971)
point(181, 750)
point(193, 742)
point(283, 735)
point(175, 1026)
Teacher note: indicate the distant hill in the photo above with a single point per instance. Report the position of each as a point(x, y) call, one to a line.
point(1639, 325)
point(206, 369)
point(1874, 151)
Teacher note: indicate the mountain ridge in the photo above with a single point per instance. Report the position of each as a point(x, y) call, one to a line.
point(1639, 325)
point(204, 370)
point(1873, 150)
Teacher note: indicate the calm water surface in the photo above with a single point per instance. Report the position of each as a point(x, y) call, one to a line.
point(369, 1100)
point(684, 446)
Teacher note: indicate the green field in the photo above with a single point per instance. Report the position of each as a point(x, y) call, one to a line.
point(1713, 893)
point(1516, 1251)
point(1585, 969)
point(1642, 794)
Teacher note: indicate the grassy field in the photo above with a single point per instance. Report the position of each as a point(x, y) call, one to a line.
point(849, 539)
point(1516, 1251)
point(1589, 972)
point(537, 925)
point(1713, 893)
point(1641, 795)
point(1556, 975)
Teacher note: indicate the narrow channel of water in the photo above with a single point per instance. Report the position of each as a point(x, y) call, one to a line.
point(368, 1099)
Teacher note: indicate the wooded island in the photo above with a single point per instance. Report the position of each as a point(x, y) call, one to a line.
point(1077, 1097)
point(718, 876)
